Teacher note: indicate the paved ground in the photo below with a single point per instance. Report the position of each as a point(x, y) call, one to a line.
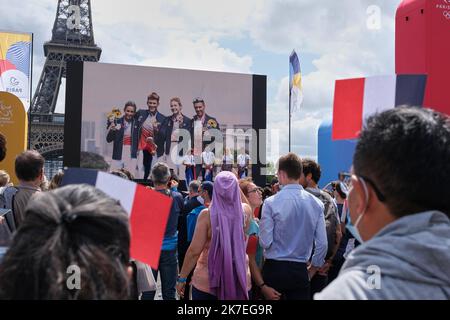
point(158, 295)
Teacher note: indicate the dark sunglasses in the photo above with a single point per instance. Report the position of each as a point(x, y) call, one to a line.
point(379, 194)
point(255, 190)
point(197, 100)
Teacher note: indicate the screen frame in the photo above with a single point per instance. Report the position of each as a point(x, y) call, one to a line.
point(73, 118)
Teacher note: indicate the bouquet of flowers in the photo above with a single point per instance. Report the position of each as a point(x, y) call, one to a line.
point(113, 116)
point(211, 124)
point(150, 145)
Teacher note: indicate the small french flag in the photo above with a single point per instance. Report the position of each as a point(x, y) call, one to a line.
point(357, 99)
point(148, 210)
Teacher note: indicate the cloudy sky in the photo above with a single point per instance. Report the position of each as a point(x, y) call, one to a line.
point(335, 40)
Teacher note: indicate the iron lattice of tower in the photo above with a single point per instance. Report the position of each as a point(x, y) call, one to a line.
point(72, 40)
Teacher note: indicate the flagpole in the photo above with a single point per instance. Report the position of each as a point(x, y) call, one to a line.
point(290, 115)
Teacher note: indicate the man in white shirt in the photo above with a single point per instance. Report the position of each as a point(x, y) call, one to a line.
point(208, 159)
point(243, 160)
point(189, 163)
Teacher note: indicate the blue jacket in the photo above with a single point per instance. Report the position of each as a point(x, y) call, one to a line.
point(166, 131)
point(191, 222)
point(140, 117)
point(116, 136)
point(170, 240)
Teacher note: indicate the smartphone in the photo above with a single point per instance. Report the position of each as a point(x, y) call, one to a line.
point(4, 211)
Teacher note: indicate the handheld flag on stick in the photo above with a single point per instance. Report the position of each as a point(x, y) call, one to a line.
point(148, 210)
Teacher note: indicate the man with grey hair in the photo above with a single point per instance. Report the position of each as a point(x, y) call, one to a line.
point(29, 169)
point(193, 188)
point(168, 264)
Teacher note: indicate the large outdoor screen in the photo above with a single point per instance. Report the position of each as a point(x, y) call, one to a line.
point(121, 116)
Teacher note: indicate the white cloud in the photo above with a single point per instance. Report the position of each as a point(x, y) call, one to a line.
point(173, 33)
point(199, 17)
point(337, 33)
point(158, 33)
point(34, 18)
point(188, 34)
point(201, 54)
point(316, 26)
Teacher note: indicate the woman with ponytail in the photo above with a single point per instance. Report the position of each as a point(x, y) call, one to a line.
point(73, 244)
point(217, 250)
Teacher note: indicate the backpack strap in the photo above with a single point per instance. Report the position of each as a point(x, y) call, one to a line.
point(13, 213)
point(9, 198)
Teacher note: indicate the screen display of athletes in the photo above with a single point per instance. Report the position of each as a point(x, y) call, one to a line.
point(133, 117)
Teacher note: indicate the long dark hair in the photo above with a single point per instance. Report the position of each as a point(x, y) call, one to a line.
point(76, 225)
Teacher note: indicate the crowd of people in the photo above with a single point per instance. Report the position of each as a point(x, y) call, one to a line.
point(384, 234)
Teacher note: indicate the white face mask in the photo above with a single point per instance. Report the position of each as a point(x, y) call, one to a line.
point(353, 228)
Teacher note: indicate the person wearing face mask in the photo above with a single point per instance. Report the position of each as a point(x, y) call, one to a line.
point(401, 216)
point(204, 198)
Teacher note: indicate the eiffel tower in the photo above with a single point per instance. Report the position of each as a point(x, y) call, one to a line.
point(72, 40)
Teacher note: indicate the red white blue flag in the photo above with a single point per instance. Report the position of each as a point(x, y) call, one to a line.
point(357, 99)
point(147, 210)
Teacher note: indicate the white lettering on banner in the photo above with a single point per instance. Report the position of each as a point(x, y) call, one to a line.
point(14, 90)
point(236, 139)
point(442, 6)
point(74, 19)
point(374, 19)
point(445, 7)
point(182, 147)
point(217, 144)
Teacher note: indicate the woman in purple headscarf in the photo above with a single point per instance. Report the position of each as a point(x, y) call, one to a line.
point(217, 250)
